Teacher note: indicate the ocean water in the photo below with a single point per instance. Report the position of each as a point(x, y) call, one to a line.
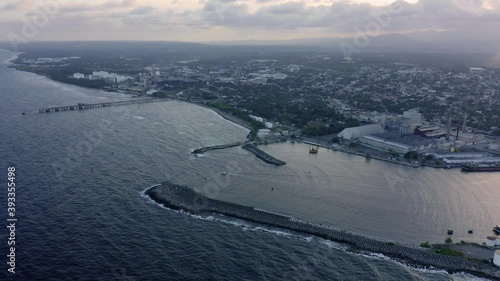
point(82, 215)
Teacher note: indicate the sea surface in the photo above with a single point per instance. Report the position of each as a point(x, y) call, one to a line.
point(82, 215)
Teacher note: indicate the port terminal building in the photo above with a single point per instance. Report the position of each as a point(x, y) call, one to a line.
point(396, 142)
point(465, 157)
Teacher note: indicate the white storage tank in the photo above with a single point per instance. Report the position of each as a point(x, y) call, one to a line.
point(491, 241)
point(496, 258)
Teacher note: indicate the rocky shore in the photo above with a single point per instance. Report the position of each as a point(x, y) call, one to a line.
point(262, 155)
point(184, 198)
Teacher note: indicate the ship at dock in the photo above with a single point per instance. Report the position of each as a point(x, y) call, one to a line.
point(481, 168)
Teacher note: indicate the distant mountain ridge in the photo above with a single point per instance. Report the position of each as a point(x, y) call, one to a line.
point(422, 41)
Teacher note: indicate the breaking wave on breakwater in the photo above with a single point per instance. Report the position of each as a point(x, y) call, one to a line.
point(251, 226)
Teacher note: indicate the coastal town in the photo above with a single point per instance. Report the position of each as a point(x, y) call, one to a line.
point(250, 139)
point(438, 116)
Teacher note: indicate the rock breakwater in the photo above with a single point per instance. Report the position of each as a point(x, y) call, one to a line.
point(262, 155)
point(184, 198)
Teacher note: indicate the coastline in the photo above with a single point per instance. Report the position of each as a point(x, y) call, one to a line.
point(188, 200)
point(8, 62)
point(225, 115)
point(238, 121)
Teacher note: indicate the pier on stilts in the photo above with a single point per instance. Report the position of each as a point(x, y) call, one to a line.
point(83, 106)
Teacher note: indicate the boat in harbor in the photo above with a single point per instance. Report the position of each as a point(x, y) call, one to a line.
point(496, 229)
point(481, 168)
point(313, 150)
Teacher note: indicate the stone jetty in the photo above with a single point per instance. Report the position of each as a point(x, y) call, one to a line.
point(215, 147)
point(184, 198)
point(262, 155)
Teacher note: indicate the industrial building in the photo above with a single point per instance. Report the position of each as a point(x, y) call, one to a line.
point(411, 118)
point(355, 133)
point(430, 131)
point(397, 142)
point(466, 157)
point(383, 144)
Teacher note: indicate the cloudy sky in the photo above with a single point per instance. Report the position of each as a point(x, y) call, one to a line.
point(207, 20)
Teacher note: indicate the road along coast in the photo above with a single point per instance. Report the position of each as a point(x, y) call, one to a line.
point(180, 197)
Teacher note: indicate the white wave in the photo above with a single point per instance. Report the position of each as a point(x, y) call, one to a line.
point(455, 276)
point(233, 222)
point(333, 245)
point(282, 233)
point(461, 276)
point(139, 117)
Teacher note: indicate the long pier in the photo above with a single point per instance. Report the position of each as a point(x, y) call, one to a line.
point(83, 106)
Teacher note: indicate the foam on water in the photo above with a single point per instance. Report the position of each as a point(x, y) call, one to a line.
point(234, 222)
point(461, 276)
point(333, 245)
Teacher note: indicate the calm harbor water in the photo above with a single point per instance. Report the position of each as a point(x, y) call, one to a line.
point(80, 176)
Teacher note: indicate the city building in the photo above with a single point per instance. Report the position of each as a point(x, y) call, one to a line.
point(355, 133)
point(256, 118)
point(490, 241)
point(263, 133)
point(79, 76)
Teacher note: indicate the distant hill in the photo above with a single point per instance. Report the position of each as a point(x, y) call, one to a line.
point(417, 42)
